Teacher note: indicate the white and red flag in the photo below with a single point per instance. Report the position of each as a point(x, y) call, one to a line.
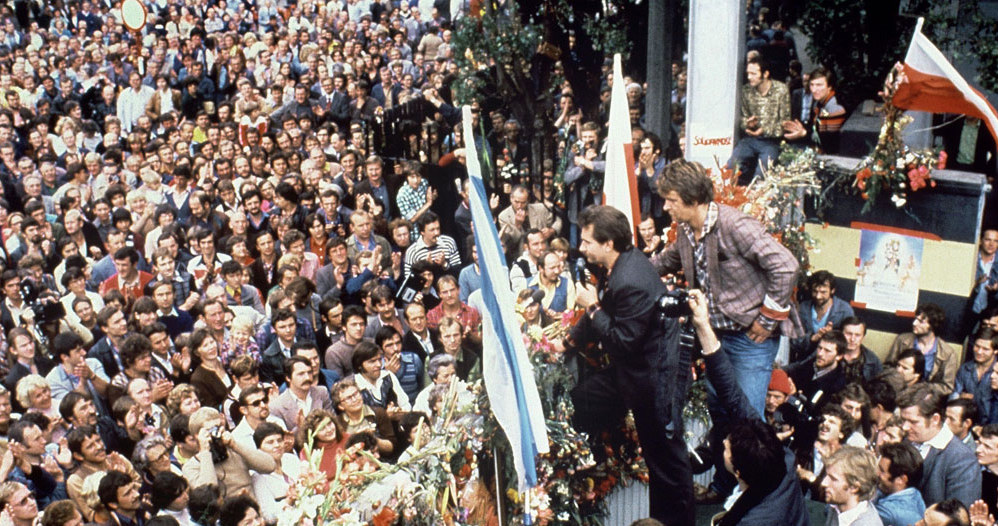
point(620, 185)
point(934, 85)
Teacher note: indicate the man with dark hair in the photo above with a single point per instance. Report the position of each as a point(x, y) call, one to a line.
point(764, 469)
point(820, 313)
point(41, 475)
point(649, 371)
point(114, 325)
point(950, 470)
point(285, 325)
point(859, 363)
point(973, 379)
point(749, 295)
point(765, 107)
point(73, 373)
point(91, 456)
point(237, 292)
point(899, 502)
point(120, 494)
point(432, 246)
point(961, 417)
point(817, 117)
point(302, 395)
point(949, 512)
point(337, 356)
point(129, 279)
point(819, 377)
point(169, 497)
point(941, 359)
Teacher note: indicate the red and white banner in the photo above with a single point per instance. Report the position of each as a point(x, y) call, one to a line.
point(934, 85)
point(620, 185)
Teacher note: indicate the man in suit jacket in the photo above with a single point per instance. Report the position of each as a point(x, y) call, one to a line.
point(747, 275)
point(537, 214)
point(648, 375)
point(420, 338)
point(949, 469)
point(237, 292)
point(302, 395)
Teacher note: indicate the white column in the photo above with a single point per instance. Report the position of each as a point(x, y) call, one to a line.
point(714, 78)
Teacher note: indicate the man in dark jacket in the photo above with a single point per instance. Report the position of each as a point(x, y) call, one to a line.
point(648, 372)
point(770, 493)
point(821, 376)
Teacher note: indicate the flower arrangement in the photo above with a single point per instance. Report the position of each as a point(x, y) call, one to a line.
point(430, 488)
point(574, 479)
point(442, 482)
point(893, 167)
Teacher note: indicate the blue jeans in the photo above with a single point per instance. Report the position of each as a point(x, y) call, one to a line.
point(752, 152)
point(753, 365)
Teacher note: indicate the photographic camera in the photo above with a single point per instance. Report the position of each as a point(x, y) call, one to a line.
point(45, 307)
point(800, 415)
point(219, 453)
point(674, 304)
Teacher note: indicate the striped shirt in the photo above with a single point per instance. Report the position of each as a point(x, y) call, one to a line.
point(419, 251)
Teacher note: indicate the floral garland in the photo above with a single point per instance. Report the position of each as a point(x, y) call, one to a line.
point(893, 167)
point(574, 479)
point(776, 199)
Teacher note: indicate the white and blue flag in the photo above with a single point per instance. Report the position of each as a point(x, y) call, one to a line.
point(509, 376)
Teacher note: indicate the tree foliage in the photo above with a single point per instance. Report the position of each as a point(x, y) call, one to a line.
point(507, 54)
point(860, 40)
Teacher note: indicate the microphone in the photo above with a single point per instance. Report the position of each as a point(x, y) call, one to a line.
point(580, 269)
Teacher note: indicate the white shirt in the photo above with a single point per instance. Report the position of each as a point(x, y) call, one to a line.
point(375, 389)
point(939, 441)
point(271, 489)
point(132, 105)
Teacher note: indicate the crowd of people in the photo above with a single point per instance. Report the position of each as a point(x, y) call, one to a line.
point(207, 263)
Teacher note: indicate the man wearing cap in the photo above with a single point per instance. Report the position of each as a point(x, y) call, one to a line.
point(780, 387)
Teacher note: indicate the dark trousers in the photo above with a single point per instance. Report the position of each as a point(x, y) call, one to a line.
point(598, 405)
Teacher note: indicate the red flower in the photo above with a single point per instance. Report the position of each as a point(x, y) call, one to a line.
point(942, 161)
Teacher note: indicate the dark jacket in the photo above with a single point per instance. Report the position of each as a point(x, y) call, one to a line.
point(803, 347)
point(784, 504)
point(411, 343)
point(809, 387)
point(103, 352)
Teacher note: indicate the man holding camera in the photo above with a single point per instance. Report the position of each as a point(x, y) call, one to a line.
point(746, 275)
point(647, 370)
point(221, 460)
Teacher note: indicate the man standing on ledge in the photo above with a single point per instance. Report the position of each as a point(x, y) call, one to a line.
point(746, 275)
point(647, 371)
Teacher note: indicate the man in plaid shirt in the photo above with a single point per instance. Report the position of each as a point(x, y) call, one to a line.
point(746, 275)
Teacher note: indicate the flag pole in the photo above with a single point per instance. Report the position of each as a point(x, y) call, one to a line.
point(495, 460)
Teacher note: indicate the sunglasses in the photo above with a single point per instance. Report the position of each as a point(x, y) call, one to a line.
point(259, 403)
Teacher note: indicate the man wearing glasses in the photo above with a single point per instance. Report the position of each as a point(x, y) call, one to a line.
point(254, 405)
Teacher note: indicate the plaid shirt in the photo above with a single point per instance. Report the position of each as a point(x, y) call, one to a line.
point(750, 274)
point(410, 201)
point(702, 277)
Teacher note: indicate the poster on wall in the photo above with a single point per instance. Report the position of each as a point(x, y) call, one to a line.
point(889, 267)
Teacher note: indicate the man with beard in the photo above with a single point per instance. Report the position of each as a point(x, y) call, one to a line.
point(941, 360)
point(820, 313)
